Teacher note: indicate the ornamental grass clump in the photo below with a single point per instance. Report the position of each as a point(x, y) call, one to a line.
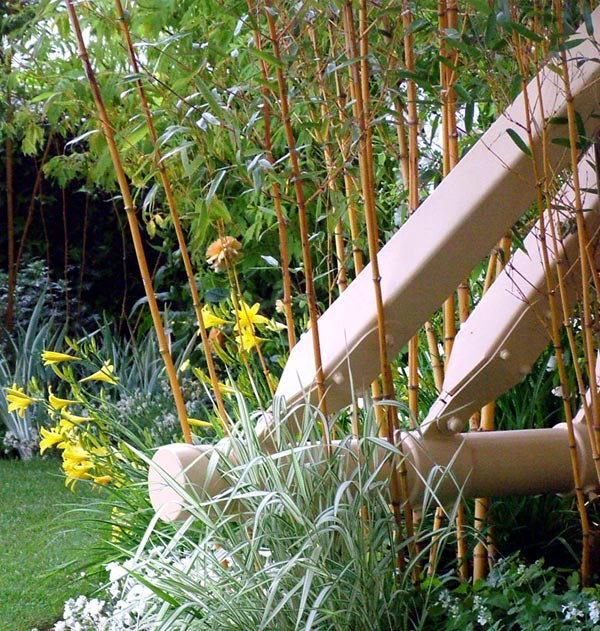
point(299, 540)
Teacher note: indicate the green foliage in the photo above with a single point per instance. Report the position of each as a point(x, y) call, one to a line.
point(210, 124)
point(520, 597)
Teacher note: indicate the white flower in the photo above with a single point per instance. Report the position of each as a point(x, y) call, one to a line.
point(484, 615)
point(594, 611)
point(94, 607)
point(571, 612)
point(444, 599)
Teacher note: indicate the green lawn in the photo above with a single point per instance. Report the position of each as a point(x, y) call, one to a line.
point(38, 534)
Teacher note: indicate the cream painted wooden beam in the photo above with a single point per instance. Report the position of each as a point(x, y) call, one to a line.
point(439, 468)
point(509, 328)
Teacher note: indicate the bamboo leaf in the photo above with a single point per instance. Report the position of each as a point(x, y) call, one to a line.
point(44, 96)
point(587, 18)
point(81, 137)
point(208, 95)
point(462, 93)
point(268, 57)
point(570, 43)
point(469, 115)
point(138, 134)
point(561, 142)
point(519, 142)
point(525, 32)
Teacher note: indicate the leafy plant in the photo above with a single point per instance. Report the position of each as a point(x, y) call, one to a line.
point(519, 596)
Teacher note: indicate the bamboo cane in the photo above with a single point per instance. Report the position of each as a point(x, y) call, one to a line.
point(412, 122)
point(350, 189)
point(359, 81)
point(275, 192)
point(588, 271)
point(302, 216)
point(330, 166)
point(543, 200)
point(166, 184)
point(132, 220)
point(401, 134)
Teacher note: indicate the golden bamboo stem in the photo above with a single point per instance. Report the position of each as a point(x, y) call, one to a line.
point(330, 166)
point(412, 122)
point(132, 220)
point(359, 81)
point(588, 272)
point(447, 18)
point(166, 184)
point(302, 218)
point(484, 421)
point(544, 201)
point(275, 193)
point(357, 91)
point(436, 361)
point(350, 189)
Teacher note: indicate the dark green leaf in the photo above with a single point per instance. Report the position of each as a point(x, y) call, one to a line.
point(525, 32)
point(519, 142)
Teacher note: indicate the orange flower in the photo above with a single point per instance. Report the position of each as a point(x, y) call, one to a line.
point(223, 252)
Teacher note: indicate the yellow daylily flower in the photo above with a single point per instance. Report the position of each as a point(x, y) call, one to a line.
point(248, 340)
point(198, 423)
point(210, 319)
point(56, 403)
point(76, 453)
point(102, 479)
point(246, 317)
point(50, 438)
point(68, 420)
point(52, 357)
point(17, 399)
point(106, 373)
point(76, 464)
point(100, 451)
